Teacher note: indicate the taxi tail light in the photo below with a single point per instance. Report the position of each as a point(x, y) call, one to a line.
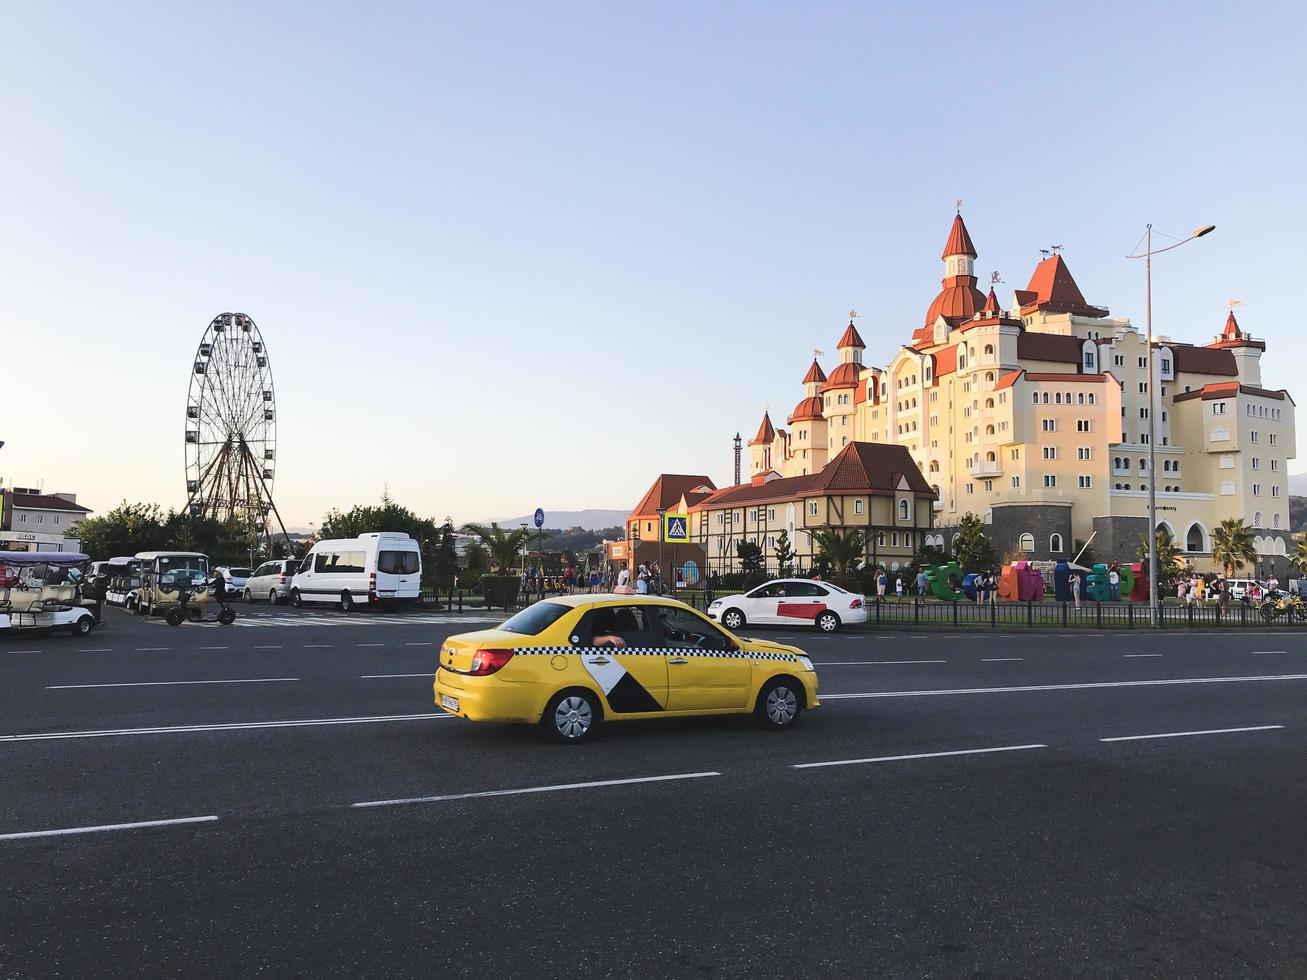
point(488, 661)
point(855, 604)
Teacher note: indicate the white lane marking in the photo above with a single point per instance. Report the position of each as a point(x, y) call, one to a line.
point(1257, 653)
point(539, 789)
point(378, 677)
point(1000, 660)
point(316, 646)
point(26, 651)
point(108, 826)
point(369, 644)
point(97, 650)
point(241, 680)
point(860, 663)
point(230, 727)
point(211, 648)
point(273, 646)
point(1136, 656)
point(920, 755)
point(1071, 687)
point(151, 649)
point(420, 643)
point(1209, 731)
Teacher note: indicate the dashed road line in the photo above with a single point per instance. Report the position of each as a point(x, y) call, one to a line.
point(421, 643)
point(1139, 656)
point(316, 646)
point(151, 649)
point(1209, 731)
point(557, 788)
point(241, 680)
point(378, 677)
point(140, 824)
point(1093, 685)
point(862, 663)
point(97, 650)
point(1268, 653)
point(274, 646)
point(211, 648)
point(369, 644)
point(231, 727)
point(1000, 660)
point(919, 755)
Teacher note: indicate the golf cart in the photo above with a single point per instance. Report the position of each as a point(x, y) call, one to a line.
point(175, 585)
point(41, 590)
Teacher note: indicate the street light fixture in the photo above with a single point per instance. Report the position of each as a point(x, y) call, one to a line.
point(1147, 255)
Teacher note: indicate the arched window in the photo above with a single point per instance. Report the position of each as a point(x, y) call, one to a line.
point(1034, 398)
point(1045, 398)
point(934, 466)
point(1193, 541)
point(989, 350)
point(1091, 398)
point(989, 430)
point(1055, 543)
point(990, 457)
point(962, 357)
point(905, 510)
point(857, 506)
point(1275, 521)
point(989, 376)
point(1126, 487)
point(1057, 398)
point(1257, 519)
point(989, 403)
point(1026, 543)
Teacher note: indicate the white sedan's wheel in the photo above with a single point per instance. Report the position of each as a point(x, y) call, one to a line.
point(732, 619)
point(828, 622)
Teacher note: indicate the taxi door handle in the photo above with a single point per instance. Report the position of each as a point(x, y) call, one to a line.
point(679, 660)
point(600, 661)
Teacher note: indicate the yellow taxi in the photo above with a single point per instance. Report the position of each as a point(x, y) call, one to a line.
point(572, 662)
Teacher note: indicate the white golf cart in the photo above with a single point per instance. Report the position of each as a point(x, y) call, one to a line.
point(41, 590)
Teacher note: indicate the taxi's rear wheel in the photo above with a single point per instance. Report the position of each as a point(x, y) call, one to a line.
point(732, 619)
point(572, 716)
point(780, 705)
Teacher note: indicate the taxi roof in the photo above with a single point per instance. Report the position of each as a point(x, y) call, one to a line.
point(595, 598)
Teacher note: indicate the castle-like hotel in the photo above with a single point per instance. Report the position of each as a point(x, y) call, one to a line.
point(1035, 418)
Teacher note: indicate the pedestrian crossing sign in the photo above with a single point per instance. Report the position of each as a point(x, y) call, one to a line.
point(676, 528)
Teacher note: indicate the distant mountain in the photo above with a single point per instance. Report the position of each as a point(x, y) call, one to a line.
point(591, 520)
point(1298, 485)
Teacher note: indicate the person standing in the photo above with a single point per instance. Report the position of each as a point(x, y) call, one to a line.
point(1200, 590)
point(882, 582)
point(1075, 590)
point(642, 580)
point(1114, 583)
point(923, 583)
point(898, 587)
point(594, 581)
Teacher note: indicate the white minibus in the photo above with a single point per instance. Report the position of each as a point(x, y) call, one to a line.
point(379, 567)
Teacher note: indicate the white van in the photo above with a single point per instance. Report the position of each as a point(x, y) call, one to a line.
point(372, 568)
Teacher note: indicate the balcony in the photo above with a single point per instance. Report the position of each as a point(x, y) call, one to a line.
point(986, 469)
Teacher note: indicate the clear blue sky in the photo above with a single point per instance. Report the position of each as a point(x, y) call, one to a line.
point(508, 255)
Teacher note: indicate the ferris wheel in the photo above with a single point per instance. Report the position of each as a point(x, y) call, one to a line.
point(231, 428)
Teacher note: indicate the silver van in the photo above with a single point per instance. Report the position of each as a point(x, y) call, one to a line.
point(271, 581)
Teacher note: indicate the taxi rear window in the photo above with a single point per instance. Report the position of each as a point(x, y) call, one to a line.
point(534, 620)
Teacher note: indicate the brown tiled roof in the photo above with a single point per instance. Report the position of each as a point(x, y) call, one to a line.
point(946, 361)
point(1055, 291)
point(959, 242)
point(1048, 347)
point(1068, 376)
point(1009, 379)
point(1227, 389)
point(45, 501)
point(815, 374)
point(667, 490)
point(869, 467)
point(959, 300)
point(851, 338)
point(1201, 360)
point(991, 306)
point(784, 488)
point(844, 376)
point(766, 433)
point(809, 408)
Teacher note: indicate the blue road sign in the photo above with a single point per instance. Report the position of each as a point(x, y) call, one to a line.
point(540, 517)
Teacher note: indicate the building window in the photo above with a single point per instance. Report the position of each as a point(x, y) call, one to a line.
point(1083, 425)
point(1045, 398)
point(1257, 489)
point(1218, 408)
point(1253, 435)
point(894, 539)
point(1050, 480)
point(971, 488)
point(1034, 397)
point(1050, 452)
point(905, 511)
point(1055, 543)
point(1091, 398)
point(1048, 425)
point(1026, 543)
point(1016, 483)
point(812, 508)
point(1085, 482)
point(1257, 463)
point(1014, 453)
point(1257, 519)
point(1275, 489)
point(1057, 398)
point(1083, 452)
point(857, 506)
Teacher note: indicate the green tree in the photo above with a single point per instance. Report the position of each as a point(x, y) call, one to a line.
point(1088, 559)
point(784, 554)
point(1232, 545)
point(444, 565)
point(928, 556)
point(842, 548)
point(225, 542)
point(1300, 554)
point(125, 530)
point(389, 516)
point(1168, 564)
point(505, 547)
point(750, 556)
point(476, 561)
point(972, 546)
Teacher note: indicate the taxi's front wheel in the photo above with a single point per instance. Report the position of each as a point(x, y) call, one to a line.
point(780, 705)
point(571, 716)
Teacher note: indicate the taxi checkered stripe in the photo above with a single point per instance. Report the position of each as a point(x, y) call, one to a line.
point(655, 652)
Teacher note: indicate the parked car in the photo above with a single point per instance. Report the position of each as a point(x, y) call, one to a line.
point(791, 602)
point(378, 567)
point(235, 577)
point(272, 581)
point(1241, 587)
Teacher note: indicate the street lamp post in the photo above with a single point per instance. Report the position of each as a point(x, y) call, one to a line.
point(1147, 255)
point(662, 512)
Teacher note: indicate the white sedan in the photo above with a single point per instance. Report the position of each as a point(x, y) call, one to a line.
point(791, 602)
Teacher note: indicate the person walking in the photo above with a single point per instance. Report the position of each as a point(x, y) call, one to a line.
point(882, 581)
point(1200, 591)
point(898, 587)
point(923, 583)
point(642, 580)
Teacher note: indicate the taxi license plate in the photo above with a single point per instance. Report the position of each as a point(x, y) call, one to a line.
point(448, 703)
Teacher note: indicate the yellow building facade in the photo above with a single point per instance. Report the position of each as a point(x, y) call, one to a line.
point(1034, 417)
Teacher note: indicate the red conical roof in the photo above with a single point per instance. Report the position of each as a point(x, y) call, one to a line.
point(959, 242)
point(1232, 331)
point(815, 374)
point(766, 433)
point(851, 338)
point(1053, 288)
point(991, 304)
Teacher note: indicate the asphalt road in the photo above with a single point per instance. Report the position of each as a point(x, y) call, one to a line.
point(961, 805)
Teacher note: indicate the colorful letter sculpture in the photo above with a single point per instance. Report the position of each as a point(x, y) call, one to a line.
point(1139, 593)
point(939, 579)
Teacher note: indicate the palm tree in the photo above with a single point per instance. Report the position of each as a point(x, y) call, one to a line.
point(1168, 558)
point(842, 548)
point(1300, 554)
point(1232, 545)
point(505, 547)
